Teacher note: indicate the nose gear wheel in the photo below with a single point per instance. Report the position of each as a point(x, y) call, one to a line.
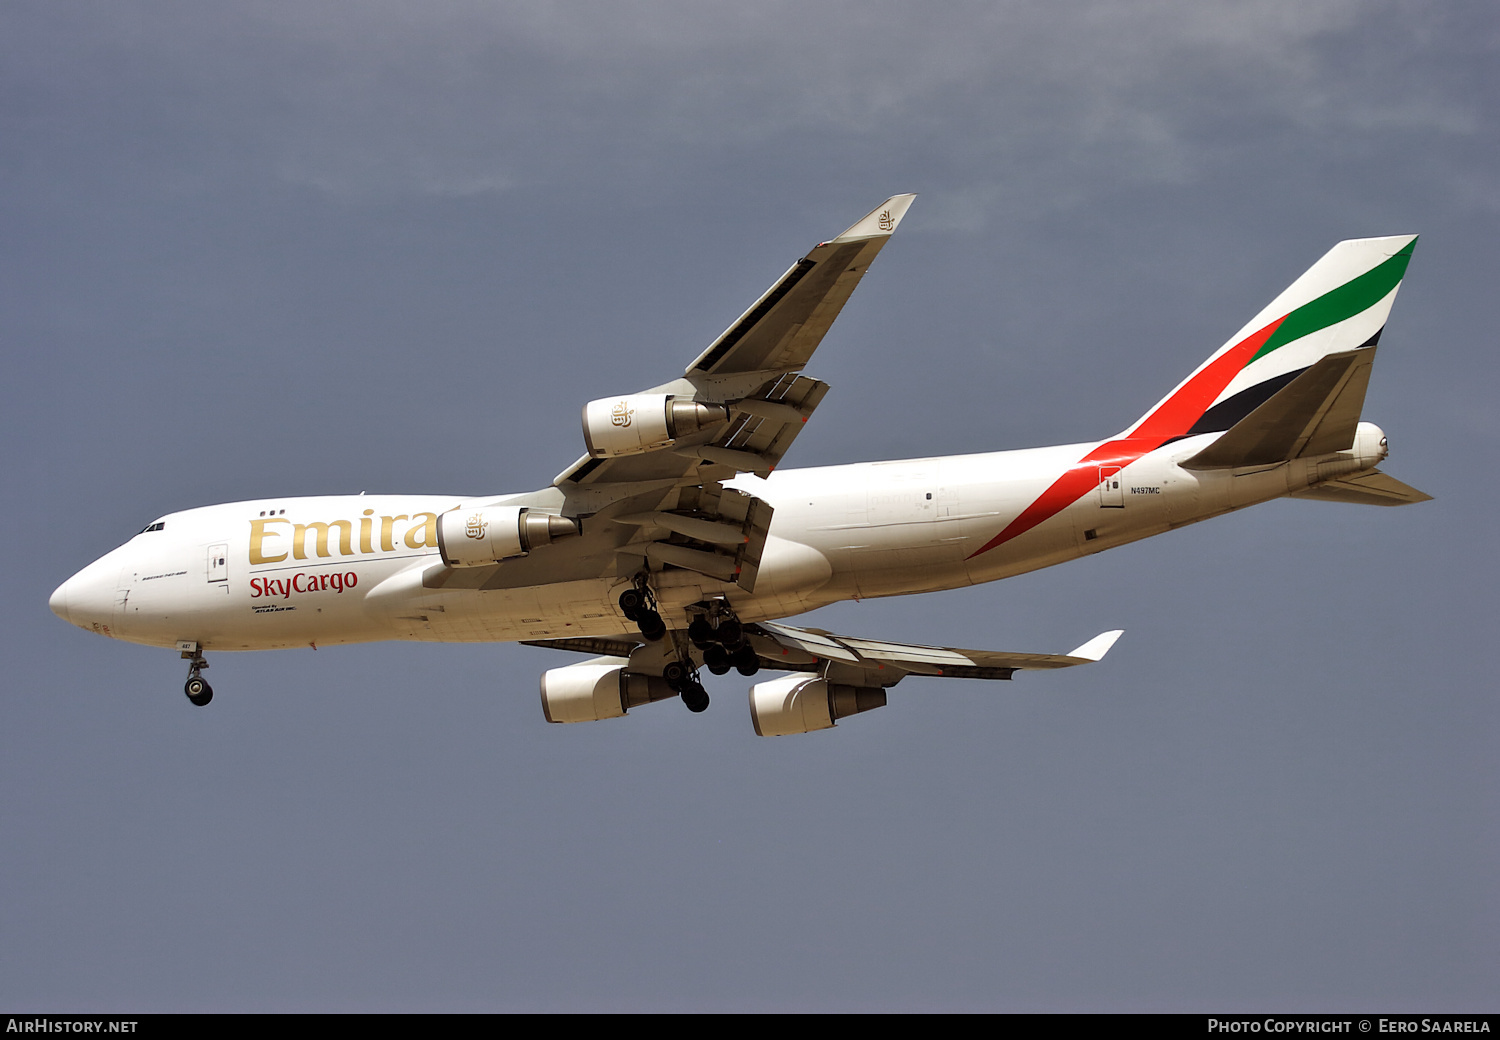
point(197, 689)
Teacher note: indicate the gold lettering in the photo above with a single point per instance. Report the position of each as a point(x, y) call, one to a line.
point(386, 523)
point(364, 532)
point(299, 538)
point(258, 533)
point(428, 532)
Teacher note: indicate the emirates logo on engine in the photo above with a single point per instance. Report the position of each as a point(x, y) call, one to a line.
point(476, 527)
point(621, 414)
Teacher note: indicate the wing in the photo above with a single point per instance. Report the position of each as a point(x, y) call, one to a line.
point(661, 502)
point(650, 492)
point(873, 662)
point(782, 329)
point(865, 662)
point(752, 367)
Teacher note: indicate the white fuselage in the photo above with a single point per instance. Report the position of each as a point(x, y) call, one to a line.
point(293, 572)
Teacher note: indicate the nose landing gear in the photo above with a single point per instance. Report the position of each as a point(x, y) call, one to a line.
point(197, 689)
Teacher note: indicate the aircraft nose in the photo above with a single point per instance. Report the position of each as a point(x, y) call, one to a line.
point(59, 601)
point(87, 599)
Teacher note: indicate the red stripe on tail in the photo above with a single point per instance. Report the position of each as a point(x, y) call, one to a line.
point(1173, 418)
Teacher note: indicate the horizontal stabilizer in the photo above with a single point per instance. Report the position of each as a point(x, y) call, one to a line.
point(1371, 489)
point(1317, 413)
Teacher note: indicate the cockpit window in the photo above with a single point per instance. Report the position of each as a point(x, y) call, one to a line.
point(154, 527)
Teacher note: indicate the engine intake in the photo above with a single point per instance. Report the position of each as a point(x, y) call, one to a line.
point(481, 537)
point(598, 689)
point(797, 704)
point(614, 426)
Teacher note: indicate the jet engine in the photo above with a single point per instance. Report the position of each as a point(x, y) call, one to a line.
point(640, 423)
point(480, 537)
point(598, 689)
point(797, 704)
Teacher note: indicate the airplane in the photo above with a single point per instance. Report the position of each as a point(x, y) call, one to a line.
point(675, 542)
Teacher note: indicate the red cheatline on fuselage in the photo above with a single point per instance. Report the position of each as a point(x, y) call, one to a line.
point(1173, 418)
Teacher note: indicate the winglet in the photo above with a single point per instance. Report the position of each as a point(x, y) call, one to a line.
point(879, 222)
point(1096, 648)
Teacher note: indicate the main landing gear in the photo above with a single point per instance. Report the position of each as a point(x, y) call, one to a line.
point(639, 605)
point(721, 637)
point(683, 678)
point(197, 689)
point(715, 631)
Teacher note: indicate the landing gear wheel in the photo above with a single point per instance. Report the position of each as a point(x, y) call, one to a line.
point(651, 625)
point(747, 660)
point(198, 691)
point(731, 634)
point(633, 604)
point(676, 674)
point(716, 659)
point(701, 633)
point(695, 697)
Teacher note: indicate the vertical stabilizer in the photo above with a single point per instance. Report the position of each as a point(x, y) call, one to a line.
point(1340, 304)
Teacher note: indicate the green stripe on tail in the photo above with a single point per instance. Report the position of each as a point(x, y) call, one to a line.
point(1342, 303)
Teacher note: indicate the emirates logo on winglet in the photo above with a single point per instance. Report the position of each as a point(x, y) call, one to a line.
point(886, 223)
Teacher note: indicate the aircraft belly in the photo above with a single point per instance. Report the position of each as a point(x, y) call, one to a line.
point(574, 608)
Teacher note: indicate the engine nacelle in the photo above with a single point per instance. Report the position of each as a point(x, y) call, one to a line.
point(598, 689)
point(639, 423)
point(798, 704)
point(480, 537)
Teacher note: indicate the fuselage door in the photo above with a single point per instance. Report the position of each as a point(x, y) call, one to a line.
point(1111, 488)
point(218, 563)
